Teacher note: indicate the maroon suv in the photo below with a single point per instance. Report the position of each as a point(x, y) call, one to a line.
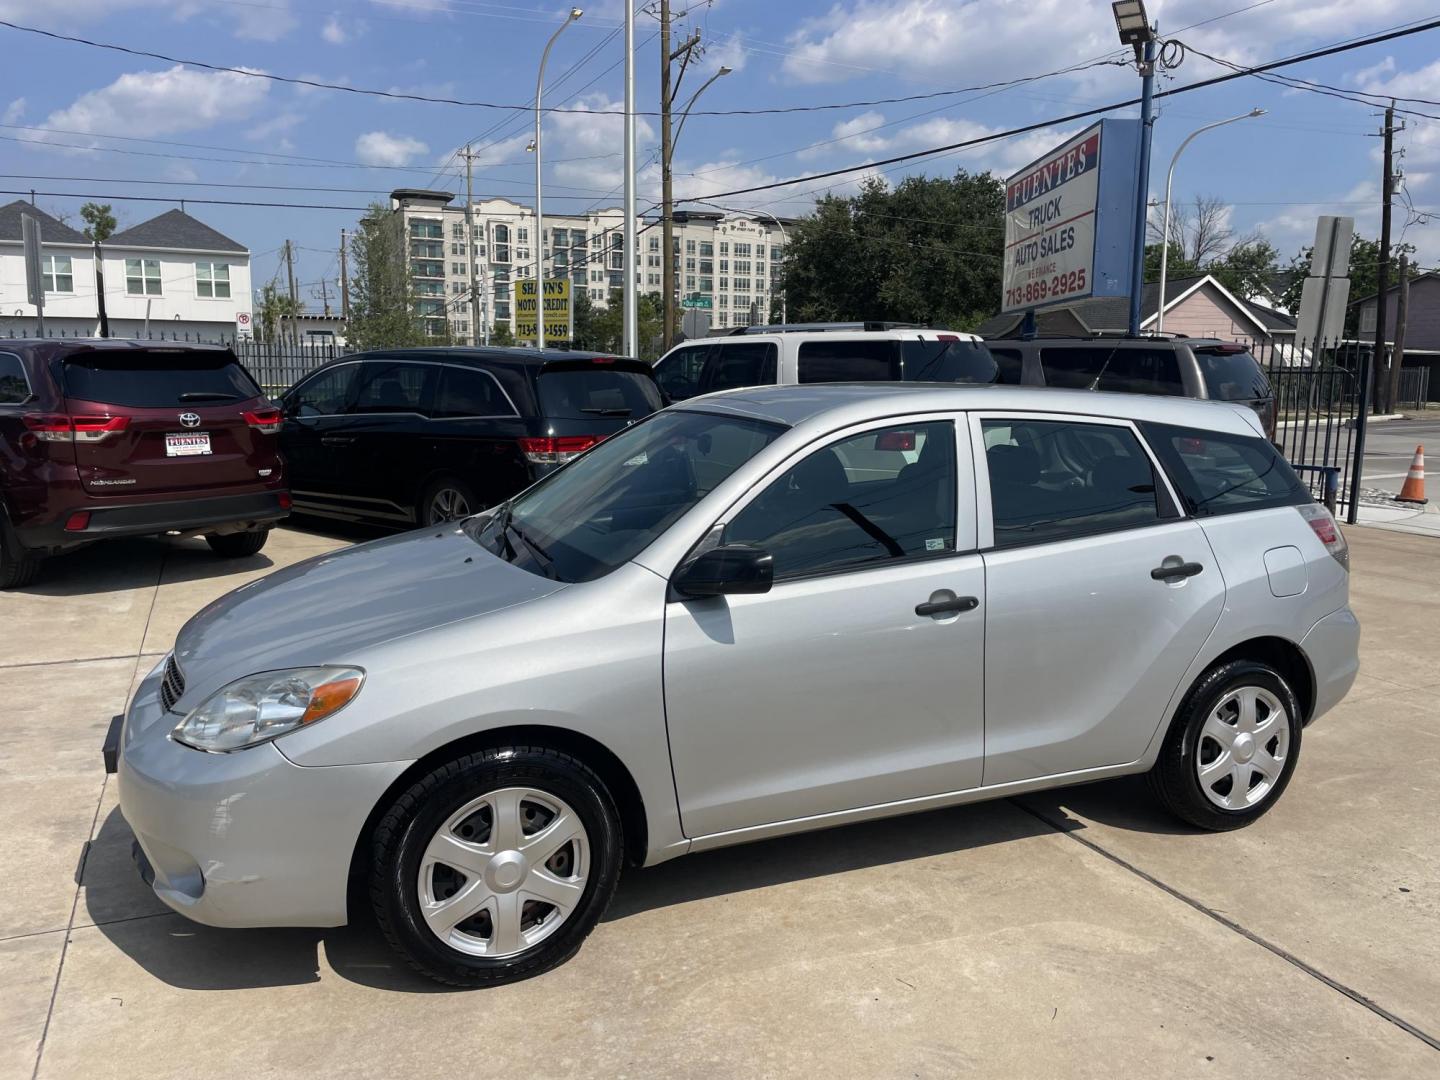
point(102, 438)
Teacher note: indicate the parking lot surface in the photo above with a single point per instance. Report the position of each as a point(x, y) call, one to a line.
point(1078, 933)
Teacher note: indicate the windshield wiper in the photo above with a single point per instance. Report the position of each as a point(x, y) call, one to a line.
point(540, 555)
point(607, 412)
point(205, 395)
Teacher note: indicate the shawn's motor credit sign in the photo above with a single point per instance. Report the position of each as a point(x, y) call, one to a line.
point(1069, 217)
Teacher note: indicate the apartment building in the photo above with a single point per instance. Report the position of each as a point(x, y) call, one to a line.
point(732, 260)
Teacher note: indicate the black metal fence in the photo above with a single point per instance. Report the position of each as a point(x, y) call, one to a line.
point(279, 365)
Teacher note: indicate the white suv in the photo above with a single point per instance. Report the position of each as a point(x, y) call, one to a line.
point(823, 353)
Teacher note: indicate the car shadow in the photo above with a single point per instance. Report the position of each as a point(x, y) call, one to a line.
point(1124, 803)
point(194, 957)
point(125, 564)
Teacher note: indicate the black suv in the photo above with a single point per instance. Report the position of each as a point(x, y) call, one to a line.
point(418, 436)
point(1205, 368)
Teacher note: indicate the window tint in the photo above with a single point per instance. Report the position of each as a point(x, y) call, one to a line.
point(1232, 376)
point(1010, 364)
point(741, 363)
point(587, 392)
point(158, 380)
point(324, 394)
point(869, 499)
point(392, 387)
point(679, 373)
point(469, 392)
point(1127, 370)
point(947, 360)
point(848, 361)
point(1052, 480)
point(13, 386)
point(1225, 474)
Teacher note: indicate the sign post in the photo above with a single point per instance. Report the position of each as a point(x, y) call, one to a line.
point(34, 279)
point(244, 329)
point(557, 310)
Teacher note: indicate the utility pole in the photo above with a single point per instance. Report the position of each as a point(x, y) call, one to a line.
point(100, 293)
point(470, 244)
point(1402, 316)
point(294, 300)
point(1142, 187)
point(629, 343)
point(667, 148)
point(344, 282)
point(1370, 368)
point(325, 296)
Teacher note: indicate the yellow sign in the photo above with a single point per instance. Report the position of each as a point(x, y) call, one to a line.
point(557, 310)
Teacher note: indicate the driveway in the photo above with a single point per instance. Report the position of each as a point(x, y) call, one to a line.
point(1075, 933)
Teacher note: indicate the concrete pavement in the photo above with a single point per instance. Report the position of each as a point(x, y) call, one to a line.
point(1074, 933)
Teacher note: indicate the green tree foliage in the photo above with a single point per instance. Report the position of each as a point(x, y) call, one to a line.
point(927, 251)
point(501, 336)
point(1364, 275)
point(274, 307)
point(100, 223)
point(603, 330)
point(382, 304)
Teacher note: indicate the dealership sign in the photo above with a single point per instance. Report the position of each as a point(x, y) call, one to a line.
point(1070, 220)
point(557, 310)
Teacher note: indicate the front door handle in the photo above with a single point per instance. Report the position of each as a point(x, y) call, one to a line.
point(943, 607)
point(1172, 571)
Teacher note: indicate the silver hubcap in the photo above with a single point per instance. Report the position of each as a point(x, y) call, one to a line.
point(1242, 748)
point(447, 504)
point(504, 872)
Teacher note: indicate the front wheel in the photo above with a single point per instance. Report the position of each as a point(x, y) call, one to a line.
point(495, 866)
point(447, 500)
point(1232, 747)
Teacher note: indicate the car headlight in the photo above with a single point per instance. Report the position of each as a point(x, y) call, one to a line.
point(262, 707)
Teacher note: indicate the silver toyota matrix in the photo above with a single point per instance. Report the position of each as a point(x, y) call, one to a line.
point(757, 613)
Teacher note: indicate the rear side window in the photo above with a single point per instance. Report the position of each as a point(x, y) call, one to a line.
point(323, 394)
point(1232, 376)
point(14, 388)
point(1225, 474)
point(157, 380)
point(679, 373)
point(394, 387)
point(848, 361)
point(1056, 480)
point(469, 392)
point(588, 392)
point(947, 360)
point(740, 363)
point(1010, 365)
point(1125, 370)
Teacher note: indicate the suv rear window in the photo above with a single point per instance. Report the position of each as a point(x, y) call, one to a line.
point(947, 361)
point(1124, 370)
point(1225, 474)
point(584, 393)
point(1232, 376)
point(157, 380)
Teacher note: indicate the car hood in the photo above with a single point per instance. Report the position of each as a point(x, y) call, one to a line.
point(324, 610)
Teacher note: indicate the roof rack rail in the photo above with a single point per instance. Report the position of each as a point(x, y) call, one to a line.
point(829, 327)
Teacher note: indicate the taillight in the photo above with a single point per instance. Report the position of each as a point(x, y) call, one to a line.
point(78, 521)
point(1327, 532)
point(265, 421)
point(49, 427)
point(556, 449)
point(286, 502)
point(895, 440)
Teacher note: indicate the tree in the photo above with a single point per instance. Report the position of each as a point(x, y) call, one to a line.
point(100, 223)
point(383, 310)
point(603, 329)
point(927, 251)
point(1248, 268)
point(501, 336)
point(274, 307)
point(1364, 275)
point(1202, 242)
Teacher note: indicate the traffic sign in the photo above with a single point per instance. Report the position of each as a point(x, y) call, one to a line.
point(701, 303)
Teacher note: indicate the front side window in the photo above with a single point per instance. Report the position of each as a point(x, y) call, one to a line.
point(14, 387)
point(1060, 479)
point(389, 387)
point(212, 280)
point(323, 394)
point(57, 274)
point(741, 363)
point(679, 373)
point(861, 502)
point(142, 277)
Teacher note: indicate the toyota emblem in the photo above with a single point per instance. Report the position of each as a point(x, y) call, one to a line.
point(189, 419)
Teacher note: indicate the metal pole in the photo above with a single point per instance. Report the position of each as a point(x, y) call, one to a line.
point(667, 225)
point(575, 13)
point(344, 282)
point(294, 300)
point(1142, 184)
point(1402, 316)
point(630, 346)
point(470, 244)
point(784, 312)
point(100, 293)
point(1165, 231)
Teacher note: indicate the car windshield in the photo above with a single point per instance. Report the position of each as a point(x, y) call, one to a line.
point(606, 507)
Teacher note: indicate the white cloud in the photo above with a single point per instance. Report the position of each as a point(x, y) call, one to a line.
point(599, 139)
point(15, 111)
point(252, 21)
point(334, 31)
point(382, 148)
point(264, 22)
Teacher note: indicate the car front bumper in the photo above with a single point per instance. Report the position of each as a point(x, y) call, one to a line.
point(1333, 649)
point(241, 839)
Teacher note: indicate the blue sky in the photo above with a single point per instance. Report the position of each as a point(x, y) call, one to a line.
point(64, 104)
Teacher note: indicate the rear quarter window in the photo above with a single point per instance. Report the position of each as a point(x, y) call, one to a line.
point(1225, 474)
point(14, 387)
point(157, 380)
point(1232, 376)
point(583, 393)
point(1010, 365)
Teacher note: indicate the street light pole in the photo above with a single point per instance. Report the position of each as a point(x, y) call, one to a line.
point(1136, 31)
point(575, 13)
point(1165, 220)
point(784, 306)
point(629, 336)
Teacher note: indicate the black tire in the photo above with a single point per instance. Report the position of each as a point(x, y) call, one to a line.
point(400, 839)
point(18, 566)
point(1175, 778)
point(238, 545)
point(436, 505)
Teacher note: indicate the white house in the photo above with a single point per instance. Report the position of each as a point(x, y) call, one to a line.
point(171, 276)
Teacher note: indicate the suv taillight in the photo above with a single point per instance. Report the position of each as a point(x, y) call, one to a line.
point(1328, 533)
point(56, 427)
point(556, 449)
point(265, 421)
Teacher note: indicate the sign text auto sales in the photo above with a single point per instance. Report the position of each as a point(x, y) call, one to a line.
point(1050, 225)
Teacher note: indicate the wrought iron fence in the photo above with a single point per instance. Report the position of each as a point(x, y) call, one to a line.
point(279, 365)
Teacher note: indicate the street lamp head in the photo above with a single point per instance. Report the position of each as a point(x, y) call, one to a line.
point(1132, 22)
point(1257, 112)
point(531, 148)
point(575, 13)
point(723, 70)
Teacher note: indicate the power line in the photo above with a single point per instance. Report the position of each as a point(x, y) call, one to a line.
point(586, 192)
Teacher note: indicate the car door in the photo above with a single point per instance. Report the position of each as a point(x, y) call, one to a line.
point(678, 372)
point(382, 446)
point(1099, 593)
point(472, 436)
point(857, 680)
point(314, 410)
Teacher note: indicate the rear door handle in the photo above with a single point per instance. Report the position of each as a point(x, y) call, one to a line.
point(1171, 571)
point(941, 607)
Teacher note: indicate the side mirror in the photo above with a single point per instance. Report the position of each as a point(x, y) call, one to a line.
point(723, 571)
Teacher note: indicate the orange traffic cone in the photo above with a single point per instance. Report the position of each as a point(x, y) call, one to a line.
point(1413, 490)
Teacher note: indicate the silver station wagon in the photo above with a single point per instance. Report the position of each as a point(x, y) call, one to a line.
point(757, 613)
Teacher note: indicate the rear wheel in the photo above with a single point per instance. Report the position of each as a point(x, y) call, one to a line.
point(445, 500)
point(240, 544)
point(18, 566)
point(1231, 749)
point(496, 866)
